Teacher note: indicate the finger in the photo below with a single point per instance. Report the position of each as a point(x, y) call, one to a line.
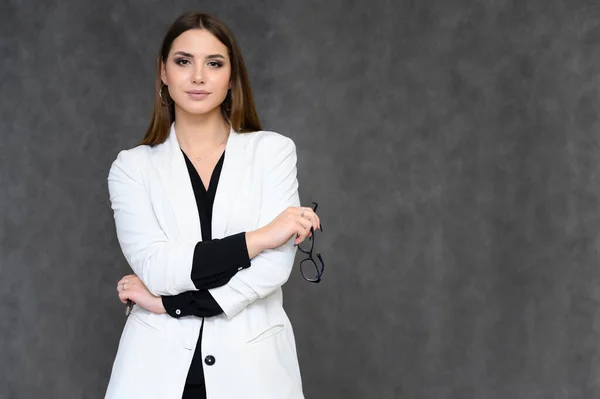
point(307, 224)
point(134, 284)
point(299, 240)
point(128, 278)
point(303, 230)
point(313, 217)
point(312, 226)
point(128, 294)
point(125, 285)
point(123, 297)
point(306, 211)
point(318, 226)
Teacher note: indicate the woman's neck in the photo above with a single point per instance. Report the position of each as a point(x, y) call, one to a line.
point(197, 133)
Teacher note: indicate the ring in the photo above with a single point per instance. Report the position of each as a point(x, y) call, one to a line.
point(122, 286)
point(301, 212)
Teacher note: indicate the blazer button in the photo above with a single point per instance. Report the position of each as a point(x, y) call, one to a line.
point(209, 360)
point(178, 312)
point(240, 269)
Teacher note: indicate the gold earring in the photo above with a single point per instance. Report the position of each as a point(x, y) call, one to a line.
point(160, 96)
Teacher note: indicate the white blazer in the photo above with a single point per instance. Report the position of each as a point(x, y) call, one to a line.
point(158, 227)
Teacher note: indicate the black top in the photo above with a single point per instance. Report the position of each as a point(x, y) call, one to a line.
point(214, 263)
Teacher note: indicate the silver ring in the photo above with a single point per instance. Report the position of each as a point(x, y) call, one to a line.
point(122, 286)
point(301, 212)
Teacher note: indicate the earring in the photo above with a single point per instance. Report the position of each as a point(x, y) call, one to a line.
point(160, 96)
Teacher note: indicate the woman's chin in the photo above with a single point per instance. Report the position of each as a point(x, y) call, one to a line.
point(199, 109)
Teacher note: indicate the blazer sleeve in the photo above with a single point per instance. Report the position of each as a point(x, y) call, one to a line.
point(271, 268)
point(215, 262)
point(164, 266)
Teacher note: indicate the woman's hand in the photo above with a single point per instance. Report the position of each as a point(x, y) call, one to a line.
point(294, 221)
point(131, 287)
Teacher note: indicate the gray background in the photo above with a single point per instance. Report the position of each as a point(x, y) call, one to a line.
point(452, 145)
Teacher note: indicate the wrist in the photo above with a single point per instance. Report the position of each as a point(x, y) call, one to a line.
point(255, 242)
point(159, 307)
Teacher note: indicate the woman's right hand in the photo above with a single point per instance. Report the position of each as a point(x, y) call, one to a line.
point(294, 221)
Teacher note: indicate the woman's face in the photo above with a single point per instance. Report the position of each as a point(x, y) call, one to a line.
point(197, 72)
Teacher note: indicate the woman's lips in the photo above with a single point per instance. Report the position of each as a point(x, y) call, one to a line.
point(198, 94)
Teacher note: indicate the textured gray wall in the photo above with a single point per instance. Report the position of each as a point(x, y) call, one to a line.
point(453, 146)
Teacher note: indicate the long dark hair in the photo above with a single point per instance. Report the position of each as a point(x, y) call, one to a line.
point(237, 108)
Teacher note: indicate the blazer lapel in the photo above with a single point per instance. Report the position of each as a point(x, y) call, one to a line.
point(234, 168)
point(176, 180)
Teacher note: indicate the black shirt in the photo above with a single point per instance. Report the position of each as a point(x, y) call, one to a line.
point(214, 263)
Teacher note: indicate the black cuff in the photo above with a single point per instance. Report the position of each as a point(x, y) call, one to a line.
point(191, 303)
point(176, 304)
point(216, 261)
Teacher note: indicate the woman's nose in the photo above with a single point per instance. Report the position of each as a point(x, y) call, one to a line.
point(198, 77)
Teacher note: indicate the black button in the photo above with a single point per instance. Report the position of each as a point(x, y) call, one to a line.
point(209, 360)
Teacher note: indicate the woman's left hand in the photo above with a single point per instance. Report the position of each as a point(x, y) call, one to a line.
point(131, 287)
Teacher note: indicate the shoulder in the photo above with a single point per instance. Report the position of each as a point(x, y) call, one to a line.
point(265, 143)
point(131, 161)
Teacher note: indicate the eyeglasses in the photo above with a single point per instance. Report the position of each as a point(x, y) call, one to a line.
point(310, 270)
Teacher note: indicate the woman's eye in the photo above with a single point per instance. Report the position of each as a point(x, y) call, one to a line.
point(215, 64)
point(182, 61)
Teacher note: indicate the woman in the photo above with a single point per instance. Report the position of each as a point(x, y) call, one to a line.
point(207, 214)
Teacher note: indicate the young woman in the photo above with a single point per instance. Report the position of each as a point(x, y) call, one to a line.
point(207, 214)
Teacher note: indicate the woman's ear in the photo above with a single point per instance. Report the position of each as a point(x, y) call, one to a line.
point(163, 73)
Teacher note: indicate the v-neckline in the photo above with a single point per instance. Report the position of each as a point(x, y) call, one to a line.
point(212, 181)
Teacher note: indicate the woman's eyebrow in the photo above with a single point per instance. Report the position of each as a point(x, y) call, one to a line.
point(210, 56)
point(183, 53)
